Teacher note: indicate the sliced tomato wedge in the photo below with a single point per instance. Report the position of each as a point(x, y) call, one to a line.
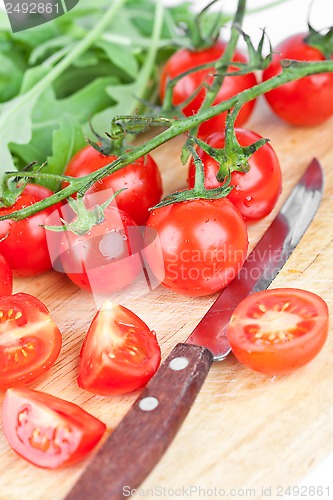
point(30, 341)
point(48, 431)
point(6, 277)
point(276, 331)
point(120, 354)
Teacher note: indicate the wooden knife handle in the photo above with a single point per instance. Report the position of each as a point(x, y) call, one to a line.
point(144, 434)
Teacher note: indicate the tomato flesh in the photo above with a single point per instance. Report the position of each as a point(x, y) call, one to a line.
point(276, 331)
point(47, 431)
point(200, 247)
point(6, 277)
point(120, 354)
point(255, 192)
point(23, 243)
point(140, 180)
point(184, 60)
point(308, 101)
point(30, 341)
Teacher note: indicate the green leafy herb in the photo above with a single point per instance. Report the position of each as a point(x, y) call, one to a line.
point(97, 60)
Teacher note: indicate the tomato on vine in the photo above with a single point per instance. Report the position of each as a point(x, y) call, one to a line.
point(193, 84)
point(254, 192)
point(23, 243)
point(307, 101)
point(141, 181)
point(105, 258)
point(201, 245)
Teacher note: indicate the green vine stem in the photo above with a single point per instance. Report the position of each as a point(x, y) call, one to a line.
point(292, 70)
point(232, 157)
point(226, 57)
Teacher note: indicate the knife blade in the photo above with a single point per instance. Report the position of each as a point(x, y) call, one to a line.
point(144, 434)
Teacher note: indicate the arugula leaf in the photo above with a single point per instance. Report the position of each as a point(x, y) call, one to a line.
point(16, 114)
point(93, 63)
point(67, 140)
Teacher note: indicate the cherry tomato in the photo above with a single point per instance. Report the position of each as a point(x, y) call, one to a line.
point(23, 243)
point(120, 354)
point(142, 180)
point(6, 277)
point(184, 60)
point(200, 248)
point(276, 331)
point(255, 192)
point(107, 258)
point(308, 101)
point(47, 431)
point(30, 341)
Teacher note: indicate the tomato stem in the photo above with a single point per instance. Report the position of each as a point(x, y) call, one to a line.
point(292, 70)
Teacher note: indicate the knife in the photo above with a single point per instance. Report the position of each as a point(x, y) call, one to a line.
point(144, 434)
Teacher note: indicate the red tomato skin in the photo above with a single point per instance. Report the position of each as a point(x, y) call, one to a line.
point(69, 432)
point(201, 245)
point(110, 367)
point(6, 277)
point(287, 357)
point(25, 246)
point(107, 258)
point(37, 337)
point(255, 192)
point(304, 102)
point(142, 180)
point(184, 60)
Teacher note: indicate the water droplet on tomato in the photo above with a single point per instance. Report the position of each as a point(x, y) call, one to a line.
point(248, 201)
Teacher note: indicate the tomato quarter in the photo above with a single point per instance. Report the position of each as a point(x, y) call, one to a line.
point(308, 101)
point(255, 192)
point(120, 354)
point(276, 331)
point(30, 341)
point(47, 431)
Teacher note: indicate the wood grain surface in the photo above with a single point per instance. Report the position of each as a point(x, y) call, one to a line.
point(245, 430)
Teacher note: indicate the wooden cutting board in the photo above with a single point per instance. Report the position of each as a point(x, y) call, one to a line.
point(245, 431)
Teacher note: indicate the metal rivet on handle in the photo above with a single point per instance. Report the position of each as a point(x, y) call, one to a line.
point(148, 404)
point(178, 364)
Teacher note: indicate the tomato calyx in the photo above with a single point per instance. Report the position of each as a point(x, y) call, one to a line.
point(232, 157)
point(322, 42)
point(13, 187)
point(86, 218)
point(199, 191)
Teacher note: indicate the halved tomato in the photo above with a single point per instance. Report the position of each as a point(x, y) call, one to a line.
point(120, 354)
point(30, 341)
point(276, 331)
point(48, 431)
point(6, 277)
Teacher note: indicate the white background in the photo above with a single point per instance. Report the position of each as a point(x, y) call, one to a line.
point(281, 21)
